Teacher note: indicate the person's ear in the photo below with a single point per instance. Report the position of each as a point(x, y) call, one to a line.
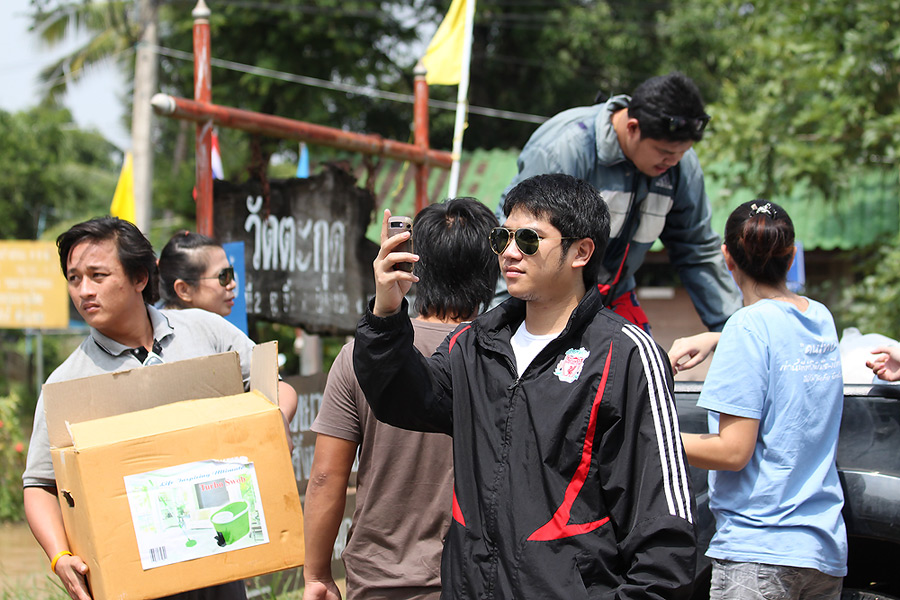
point(729, 261)
point(633, 127)
point(183, 290)
point(583, 250)
point(140, 282)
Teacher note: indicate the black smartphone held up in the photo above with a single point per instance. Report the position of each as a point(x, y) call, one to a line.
point(398, 225)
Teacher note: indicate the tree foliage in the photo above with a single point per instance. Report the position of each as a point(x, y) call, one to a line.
point(114, 30)
point(361, 43)
point(800, 90)
point(353, 42)
point(52, 172)
point(873, 303)
point(543, 57)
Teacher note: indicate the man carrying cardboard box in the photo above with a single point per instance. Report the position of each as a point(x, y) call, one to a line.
point(112, 279)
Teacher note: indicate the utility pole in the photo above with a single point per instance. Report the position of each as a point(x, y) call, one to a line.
point(145, 67)
point(203, 94)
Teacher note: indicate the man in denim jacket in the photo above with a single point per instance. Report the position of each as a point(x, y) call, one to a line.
point(637, 152)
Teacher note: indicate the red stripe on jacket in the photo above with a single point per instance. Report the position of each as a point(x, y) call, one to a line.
point(456, 335)
point(558, 526)
point(457, 511)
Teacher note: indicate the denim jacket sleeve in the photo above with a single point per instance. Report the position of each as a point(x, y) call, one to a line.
point(695, 249)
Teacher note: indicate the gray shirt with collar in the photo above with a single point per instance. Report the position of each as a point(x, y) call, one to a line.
point(181, 334)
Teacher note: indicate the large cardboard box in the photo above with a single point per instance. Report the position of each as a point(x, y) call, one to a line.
point(171, 478)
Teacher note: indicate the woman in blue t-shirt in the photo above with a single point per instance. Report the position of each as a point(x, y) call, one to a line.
point(775, 394)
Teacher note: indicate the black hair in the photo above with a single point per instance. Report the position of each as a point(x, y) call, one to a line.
point(664, 96)
point(134, 250)
point(457, 270)
point(759, 236)
point(179, 259)
point(571, 205)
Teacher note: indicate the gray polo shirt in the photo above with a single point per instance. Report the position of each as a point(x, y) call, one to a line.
point(179, 335)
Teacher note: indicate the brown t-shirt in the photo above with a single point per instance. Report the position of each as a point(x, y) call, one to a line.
point(404, 488)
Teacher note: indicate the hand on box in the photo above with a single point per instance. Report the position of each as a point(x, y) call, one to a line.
point(72, 571)
point(321, 590)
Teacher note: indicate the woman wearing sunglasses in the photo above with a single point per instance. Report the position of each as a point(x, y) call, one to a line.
point(194, 273)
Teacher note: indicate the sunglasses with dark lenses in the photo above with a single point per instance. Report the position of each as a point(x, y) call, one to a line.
point(696, 125)
point(527, 240)
point(225, 276)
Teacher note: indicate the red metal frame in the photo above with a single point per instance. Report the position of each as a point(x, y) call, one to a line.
point(206, 114)
point(203, 94)
point(420, 125)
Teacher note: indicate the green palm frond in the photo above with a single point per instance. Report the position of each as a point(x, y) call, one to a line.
point(113, 34)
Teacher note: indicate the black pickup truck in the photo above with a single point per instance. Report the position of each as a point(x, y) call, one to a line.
point(869, 466)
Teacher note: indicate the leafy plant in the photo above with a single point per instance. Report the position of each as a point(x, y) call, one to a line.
point(873, 303)
point(13, 448)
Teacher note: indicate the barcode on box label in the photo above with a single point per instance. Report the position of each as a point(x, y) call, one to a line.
point(158, 554)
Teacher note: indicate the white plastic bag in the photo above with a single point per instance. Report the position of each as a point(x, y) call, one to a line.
point(856, 348)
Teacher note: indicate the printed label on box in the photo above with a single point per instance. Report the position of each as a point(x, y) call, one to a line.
point(194, 510)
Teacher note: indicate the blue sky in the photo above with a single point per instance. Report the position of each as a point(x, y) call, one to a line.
point(96, 102)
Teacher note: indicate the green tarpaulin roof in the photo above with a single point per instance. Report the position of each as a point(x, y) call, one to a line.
point(869, 214)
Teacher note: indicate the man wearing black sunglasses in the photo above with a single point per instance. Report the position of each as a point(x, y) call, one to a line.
point(637, 151)
point(569, 476)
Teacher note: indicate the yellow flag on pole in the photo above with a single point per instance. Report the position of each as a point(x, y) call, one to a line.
point(444, 55)
point(123, 200)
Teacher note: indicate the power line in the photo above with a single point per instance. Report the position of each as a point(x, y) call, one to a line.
point(343, 11)
point(348, 88)
point(527, 20)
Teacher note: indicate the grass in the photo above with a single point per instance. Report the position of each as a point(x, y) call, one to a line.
point(45, 587)
point(42, 587)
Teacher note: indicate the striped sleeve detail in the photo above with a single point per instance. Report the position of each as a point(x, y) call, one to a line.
point(665, 421)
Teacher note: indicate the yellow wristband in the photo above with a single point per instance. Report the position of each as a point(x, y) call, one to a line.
point(56, 558)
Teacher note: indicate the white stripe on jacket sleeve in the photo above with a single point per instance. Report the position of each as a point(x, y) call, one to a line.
point(665, 420)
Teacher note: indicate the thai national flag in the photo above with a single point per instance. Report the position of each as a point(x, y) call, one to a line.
point(216, 162)
point(216, 158)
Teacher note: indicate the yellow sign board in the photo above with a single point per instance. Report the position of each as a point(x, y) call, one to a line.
point(32, 289)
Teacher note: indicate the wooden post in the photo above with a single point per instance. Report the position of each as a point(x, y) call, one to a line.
point(145, 68)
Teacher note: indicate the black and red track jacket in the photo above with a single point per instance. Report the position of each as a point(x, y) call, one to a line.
point(570, 481)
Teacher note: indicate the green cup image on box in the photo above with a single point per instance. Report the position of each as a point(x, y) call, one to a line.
point(232, 522)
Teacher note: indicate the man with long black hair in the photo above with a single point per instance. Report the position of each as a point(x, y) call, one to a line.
point(405, 478)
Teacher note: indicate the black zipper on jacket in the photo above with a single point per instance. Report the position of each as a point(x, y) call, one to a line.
point(515, 382)
point(501, 468)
